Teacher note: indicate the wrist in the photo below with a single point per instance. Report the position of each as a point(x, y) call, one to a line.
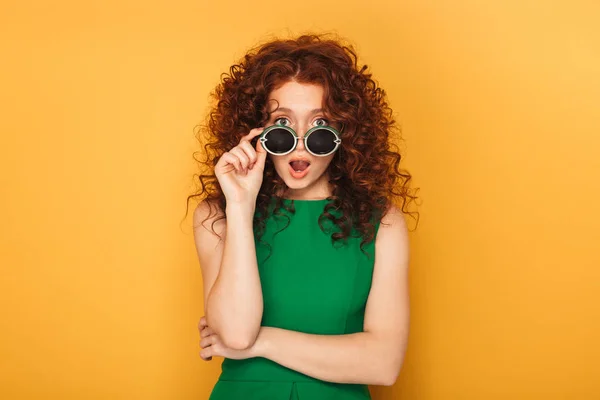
point(240, 210)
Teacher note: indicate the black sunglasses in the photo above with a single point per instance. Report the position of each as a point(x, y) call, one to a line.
point(319, 141)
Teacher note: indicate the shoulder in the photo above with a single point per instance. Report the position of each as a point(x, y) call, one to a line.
point(205, 214)
point(393, 219)
point(392, 236)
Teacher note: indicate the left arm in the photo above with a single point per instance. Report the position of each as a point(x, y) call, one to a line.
point(373, 356)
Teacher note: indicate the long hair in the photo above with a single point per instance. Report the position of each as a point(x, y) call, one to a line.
point(365, 171)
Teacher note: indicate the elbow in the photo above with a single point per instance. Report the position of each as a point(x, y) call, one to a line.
point(239, 340)
point(239, 335)
point(389, 374)
point(389, 379)
point(391, 365)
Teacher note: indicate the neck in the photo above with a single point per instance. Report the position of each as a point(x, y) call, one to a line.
point(321, 189)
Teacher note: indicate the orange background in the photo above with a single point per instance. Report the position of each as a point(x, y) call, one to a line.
point(499, 103)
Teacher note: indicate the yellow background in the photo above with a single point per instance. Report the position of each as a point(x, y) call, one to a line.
point(500, 106)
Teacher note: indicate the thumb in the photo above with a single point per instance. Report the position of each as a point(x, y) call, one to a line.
point(261, 153)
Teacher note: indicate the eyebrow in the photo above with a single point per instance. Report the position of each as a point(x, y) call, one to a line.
point(315, 111)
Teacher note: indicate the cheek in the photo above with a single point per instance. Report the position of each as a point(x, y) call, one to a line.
point(323, 162)
point(278, 162)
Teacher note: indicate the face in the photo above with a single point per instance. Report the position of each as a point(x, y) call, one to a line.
point(299, 106)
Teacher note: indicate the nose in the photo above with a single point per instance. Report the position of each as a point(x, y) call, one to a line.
point(301, 144)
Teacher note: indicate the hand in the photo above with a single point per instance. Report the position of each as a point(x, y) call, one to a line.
point(240, 170)
point(212, 345)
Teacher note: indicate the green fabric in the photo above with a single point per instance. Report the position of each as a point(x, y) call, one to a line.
point(310, 286)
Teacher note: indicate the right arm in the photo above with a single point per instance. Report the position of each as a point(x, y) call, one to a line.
point(233, 303)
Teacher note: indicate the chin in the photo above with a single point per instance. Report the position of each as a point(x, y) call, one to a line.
point(295, 184)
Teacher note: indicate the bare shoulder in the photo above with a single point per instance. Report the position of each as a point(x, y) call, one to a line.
point(205, 214)
point(393, 219)
point(392, 237)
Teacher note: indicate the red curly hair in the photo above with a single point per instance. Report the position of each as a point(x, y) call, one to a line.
point(365, 172)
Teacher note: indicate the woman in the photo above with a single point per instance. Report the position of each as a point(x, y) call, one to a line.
point(305, 293)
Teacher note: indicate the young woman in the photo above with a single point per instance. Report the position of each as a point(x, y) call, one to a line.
point(303, 251)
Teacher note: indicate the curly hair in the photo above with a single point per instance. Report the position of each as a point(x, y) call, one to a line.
point(365, 172)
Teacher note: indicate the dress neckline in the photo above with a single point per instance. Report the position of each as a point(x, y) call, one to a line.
point(305, 200)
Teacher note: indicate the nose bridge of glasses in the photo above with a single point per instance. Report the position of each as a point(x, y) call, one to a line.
point(304, 131)
point(301, 142)
point(300, 134)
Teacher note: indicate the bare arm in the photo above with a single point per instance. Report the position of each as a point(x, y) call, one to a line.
point(233, 302)
point(374, 356)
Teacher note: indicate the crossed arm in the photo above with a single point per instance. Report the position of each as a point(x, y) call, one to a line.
point(373, 356)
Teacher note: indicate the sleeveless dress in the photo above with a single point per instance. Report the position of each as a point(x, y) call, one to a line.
point(311, 286)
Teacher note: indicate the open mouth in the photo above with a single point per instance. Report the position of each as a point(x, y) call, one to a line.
point(299, 165)
point(299, 168)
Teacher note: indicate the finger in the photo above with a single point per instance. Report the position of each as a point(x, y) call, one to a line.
point(206, 354)
point(233, 160)
point(258, 147)
point(244, 159)
point(253, 133)
point(261, 153)
point(224, 164)
point(203, 323)
point(208, 341)
point(206, 332)
point(249, 151)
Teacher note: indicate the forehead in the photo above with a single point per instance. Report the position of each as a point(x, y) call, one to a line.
point(299, 97)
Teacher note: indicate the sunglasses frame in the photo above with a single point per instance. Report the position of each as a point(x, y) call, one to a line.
point(337, 139)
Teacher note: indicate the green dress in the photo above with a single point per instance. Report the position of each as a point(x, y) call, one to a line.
point(309, 285)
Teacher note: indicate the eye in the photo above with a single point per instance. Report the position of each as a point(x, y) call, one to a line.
point(321, 122)
point(281, 119)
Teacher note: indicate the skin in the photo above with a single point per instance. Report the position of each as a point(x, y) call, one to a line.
point(299, 106)
point(374, 356)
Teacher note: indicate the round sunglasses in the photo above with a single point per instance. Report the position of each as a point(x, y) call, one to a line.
point(319, 141)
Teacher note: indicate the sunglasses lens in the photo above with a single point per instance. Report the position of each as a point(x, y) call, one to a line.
point(321, 141)
point(279, 140)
